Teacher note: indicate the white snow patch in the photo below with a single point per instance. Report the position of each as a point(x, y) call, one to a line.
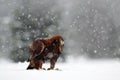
point(72, 70)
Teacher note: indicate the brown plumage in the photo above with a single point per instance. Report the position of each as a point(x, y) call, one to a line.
point(43, 49)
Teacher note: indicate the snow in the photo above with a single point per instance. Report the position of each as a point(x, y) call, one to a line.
point(72, 70)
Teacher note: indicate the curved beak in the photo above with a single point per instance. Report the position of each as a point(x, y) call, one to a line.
point(62, 42)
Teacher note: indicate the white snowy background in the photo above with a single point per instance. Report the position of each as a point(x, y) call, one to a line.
point(91, 29)
point(74, 69)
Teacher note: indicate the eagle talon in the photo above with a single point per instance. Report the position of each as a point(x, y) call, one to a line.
point(50, 69)
point(43, 69)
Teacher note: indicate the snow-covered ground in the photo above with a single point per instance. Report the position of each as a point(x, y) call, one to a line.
point(72, 70)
